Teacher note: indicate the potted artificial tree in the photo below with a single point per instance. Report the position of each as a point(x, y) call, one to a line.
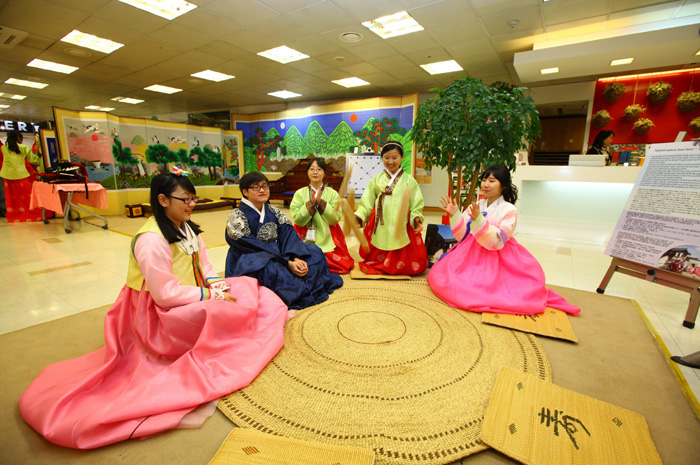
point(468, 125)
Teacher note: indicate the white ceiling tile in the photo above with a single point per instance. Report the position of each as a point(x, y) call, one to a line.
point(314, 45)
point(223, 49)
point(621, 5)
point(360, 69)
point(429, 56)
point(109, 30)
point(49, 20)
point(518, 40)
point(642, 15)
point(689, 9)
point(281, 30)
point(191, 62)
point(495, 7)
point(309, 65)
point(20, 54)
point(443, 13)
point(185, 37)
point(472, 47)
point(576, 28)
point(332, 58)
point(573, 10)
point(37, 41)
point(247, 13)
point(57, 54)
point(415, 42)
point(528, 19)
point(318, 18)
point(367, 10)
point(131, 17)
point(459, 32)
point(287, 6)
point(250, 40)
point(84, 6)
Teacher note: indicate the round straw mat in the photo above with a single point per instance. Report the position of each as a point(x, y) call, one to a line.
point(387, 366)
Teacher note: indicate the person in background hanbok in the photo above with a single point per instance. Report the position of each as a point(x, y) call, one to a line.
point(379, 208)
point(315, 218)
point(177, 338)
point(489, 271)
point(264, 245)
point(18, 173)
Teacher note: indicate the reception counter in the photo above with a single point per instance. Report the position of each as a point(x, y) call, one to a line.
point(562, 202)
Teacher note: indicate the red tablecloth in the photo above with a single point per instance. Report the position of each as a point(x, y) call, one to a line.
point(53, 196)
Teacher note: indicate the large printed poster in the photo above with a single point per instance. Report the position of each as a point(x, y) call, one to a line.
point(122, 153)
point(276, 141)
point(660, 225)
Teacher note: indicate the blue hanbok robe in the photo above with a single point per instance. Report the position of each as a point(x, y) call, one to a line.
point(263, 250)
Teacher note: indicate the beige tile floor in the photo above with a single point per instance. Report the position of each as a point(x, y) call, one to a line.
point(47, 274)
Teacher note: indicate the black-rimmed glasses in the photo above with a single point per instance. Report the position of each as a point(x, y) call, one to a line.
point(261, 187)
point(190, 200)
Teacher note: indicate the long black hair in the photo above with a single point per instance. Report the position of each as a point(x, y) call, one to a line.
point(502, 173)
point(251, 178)
point(602, 135)
point(14, 138)
point(166, 184)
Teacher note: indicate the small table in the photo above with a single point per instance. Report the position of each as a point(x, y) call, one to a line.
point(62, 198)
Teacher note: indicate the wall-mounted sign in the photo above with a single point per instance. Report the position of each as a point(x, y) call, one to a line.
point(21, 126)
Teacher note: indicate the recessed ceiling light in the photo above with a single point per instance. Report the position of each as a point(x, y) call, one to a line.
point(441, 67)
point(77, 52)
point(284, 94)
point(394, 25)
point(212, 75)
point(14, 97)
point(549, 70)
point(4, 106)
point(51, 66)
point(132, 101)
point(163, 89)
point(621, 61)
point(283, 54)
point(168, 9)
point(698, 52)
point(95, 107)
point(92, 42)
point(351, 82)
point(21, 82)
point(350, 37)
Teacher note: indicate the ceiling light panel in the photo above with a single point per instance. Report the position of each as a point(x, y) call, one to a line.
point(132, 101)
point(441, 67)
point(21, 82)
point(13, 97)
point(98, 108)
point(284, 94)
point(621, 61)
point(168, 9)
point(283, 54)
point(51, 66)
point(394, 25)
point(549, 70)
point(4, 106)
point(163, 89)
point(351, 82)
point(212, 75)
point(92, 42)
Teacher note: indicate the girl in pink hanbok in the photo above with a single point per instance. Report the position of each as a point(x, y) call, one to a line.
point(177, 338)
point(488, 271)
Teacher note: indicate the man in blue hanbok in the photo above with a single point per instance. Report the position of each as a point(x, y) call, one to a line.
point(264, 245)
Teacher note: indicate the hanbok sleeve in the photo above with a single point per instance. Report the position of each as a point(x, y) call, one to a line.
point(155, 260)
point(369, 197)
point(32, 157)
point(493, 237)
point(211, 276)
point(300, 214)
point(332, 198)
point(416, 202)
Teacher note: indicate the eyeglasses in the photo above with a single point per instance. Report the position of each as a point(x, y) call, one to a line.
point(261, 187)
point(190, 200)
point(316, 170)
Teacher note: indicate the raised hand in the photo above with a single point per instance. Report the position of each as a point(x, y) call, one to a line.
point(450, 206)
point(474, 210)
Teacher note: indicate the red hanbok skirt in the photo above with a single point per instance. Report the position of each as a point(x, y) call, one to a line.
point(18, 194)
point(339, 259)
point(410, 260)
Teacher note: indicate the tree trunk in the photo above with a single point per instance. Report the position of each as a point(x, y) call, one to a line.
point(457, 191)
point(472, 188)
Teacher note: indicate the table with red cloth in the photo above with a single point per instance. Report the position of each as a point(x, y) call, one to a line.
point(62, 198)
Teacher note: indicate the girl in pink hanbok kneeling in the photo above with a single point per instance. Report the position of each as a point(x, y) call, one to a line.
point(489, 271)
point(178, 337)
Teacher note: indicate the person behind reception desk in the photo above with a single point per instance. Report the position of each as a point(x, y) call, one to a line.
point(601, 143)
point(18, 179)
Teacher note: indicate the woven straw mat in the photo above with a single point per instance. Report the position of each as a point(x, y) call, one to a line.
point(386, 366)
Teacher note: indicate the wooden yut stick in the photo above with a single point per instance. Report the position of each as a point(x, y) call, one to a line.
point(351, 202)
point(400, 228)
point(344, 185)
point(350, 219)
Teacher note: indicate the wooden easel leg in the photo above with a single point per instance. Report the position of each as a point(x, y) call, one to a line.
point(608, 275)
point(692, 313)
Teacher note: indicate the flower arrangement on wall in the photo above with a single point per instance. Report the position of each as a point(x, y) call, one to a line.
point(695, 124)
point(633, 112)
point(642, 125)
point(659, 92)
point(688, 101)
point(614, 91)
point(601, 119)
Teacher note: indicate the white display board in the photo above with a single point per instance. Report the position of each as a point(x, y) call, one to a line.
point(660, 224)
point(364, 167)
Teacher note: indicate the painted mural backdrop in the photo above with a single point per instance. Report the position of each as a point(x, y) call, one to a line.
point(276, 141)
point(123, 153)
